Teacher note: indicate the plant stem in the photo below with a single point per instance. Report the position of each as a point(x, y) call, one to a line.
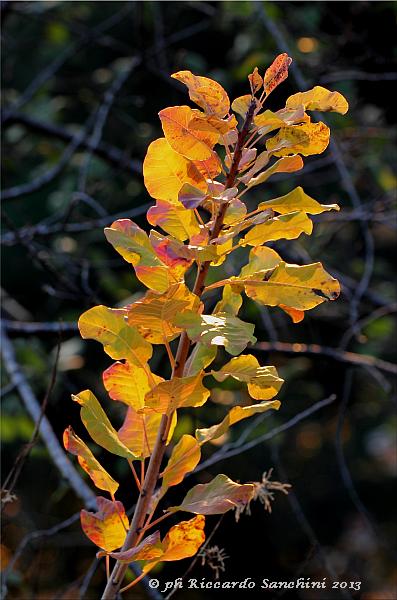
point(153, 470)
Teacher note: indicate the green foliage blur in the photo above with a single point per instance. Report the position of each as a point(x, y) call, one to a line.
point(67, 72)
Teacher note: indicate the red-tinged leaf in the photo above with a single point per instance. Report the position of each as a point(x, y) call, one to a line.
point(217, 497)
point(174, 218)
point(98, 425)
point(179, 392)
point(178, 255)
point(190, 196)
point(128, 383)
point(107, 528)
point(88, 462)
point(276, 73)
point(209, 168)
point(165, 171)
point(139, 431)
point(150, 548)
point(205, 92)
point(133, 244)
point(296, 315)
point(188, 133)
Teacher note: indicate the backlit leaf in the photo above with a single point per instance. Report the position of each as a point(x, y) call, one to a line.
point(201, 357)
point(256, 81)
point(172, 253)
point(287, 164)
point(268, 121)
point(184, 458)
point(150, 548)
point(230, 303)
point(296, 200)
point(276, 73)
point(306, 139)
point(187, 133)
point(139, 431)
point(236, 414)
point(107, 528)
point(205, 92)
point(217, 497)
point(235, 211)
point(109, 327)
point(88, 462)
point(174, 219)
point(221, 329)
point(165, 171)
point(241, 104)
point(153, 315)
point(261, 258)
point(263, 382)
point(298, 287)
point(284, 227)
point(319, 98)
point(98, 425)
point(179, 392)
point(129, 383)
point(133, 244)
point(190, 196)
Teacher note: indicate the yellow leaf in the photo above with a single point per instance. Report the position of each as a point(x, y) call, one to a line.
point(177, 393)
point(268, 121)
point(200, 358)
point(133, 244)
point(235, 211)
point(287, 164)
point(306, 139)
point(319, 98)
point(263, 382)
point(236, 414)
point(153, 316)
point(165, 171)
point(205, 92)
point(139, 431)
point(188, 133)
point(241, 105)
point(88, 462)
point(129, 383)
point(109, 327)
point(230, 303)
point(151, 547)
point(184, 458)
point(261, 258)
point(284, 227)
point(217, 497)
point(209, 168)
point(98, 425)
point(296, 200)
point(276, 73)
point(300, 288)
point(107, 528)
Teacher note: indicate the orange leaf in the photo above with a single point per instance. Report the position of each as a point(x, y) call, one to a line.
point(184, 458)
point(165, 171)
point(188, 132)
point(167, 396)
point(276, 73)
point(139, 431)
point(129, 383)
point(107, 528)
point(175, 218)
point(205, 92)
point(255, 80)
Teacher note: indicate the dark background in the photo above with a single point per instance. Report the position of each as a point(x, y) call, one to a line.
point(100, 70)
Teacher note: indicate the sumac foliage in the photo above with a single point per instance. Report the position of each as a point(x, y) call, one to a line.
point(198, 174)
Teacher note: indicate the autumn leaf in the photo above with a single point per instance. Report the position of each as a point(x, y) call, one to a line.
point(174, 219)
point(98, 425)
point(283, 227)
point(178, 392)
point(165, 171)
point(120, 340)
point(200, 358)
point(287, 164)
point(107, 528)
point(297, 199)
point(263, 382)
point(153, 316)
point(298, 287)
point(268, 121)
point(150, 548)
point(184, 458)
point(241, 105)
point(133, 244)
point(319, 98)
point(128, 383)
point(230, 302)
point(216, 498)
point(236, 414)
point(88, 462)
point(172, 253)
point(306, 139)
point(187, 133)
point(220, 329)
point(261, 258)
point(256, 81)
point(205, 92)
point(276, 73)
point(139, 431)
point(190, 196)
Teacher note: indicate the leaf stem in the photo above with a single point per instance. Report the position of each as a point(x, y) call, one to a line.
point(138, 483)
